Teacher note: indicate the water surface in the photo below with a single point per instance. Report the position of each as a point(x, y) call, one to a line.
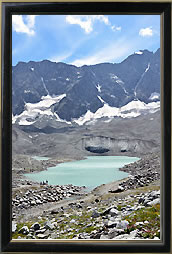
point(91, 172)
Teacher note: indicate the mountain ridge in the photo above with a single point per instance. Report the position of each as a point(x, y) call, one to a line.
point(86, 88)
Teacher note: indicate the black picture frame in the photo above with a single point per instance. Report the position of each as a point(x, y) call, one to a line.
point(9, 245)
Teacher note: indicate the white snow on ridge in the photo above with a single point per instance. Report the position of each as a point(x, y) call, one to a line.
point(138, 52)
point(25, 122)
point(132, 109)
point(133, 105)
point(61, 120)
point(101, 99)
point(85, 118)
point(46, 102)
point(32, 110)
point(154, 96)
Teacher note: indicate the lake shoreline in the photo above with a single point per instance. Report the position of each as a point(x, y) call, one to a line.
point(103, 197)
point(90, 172)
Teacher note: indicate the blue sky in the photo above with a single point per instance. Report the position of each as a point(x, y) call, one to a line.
point(82, 39)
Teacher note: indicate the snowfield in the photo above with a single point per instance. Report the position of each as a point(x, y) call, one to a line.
point(132, 109)
point(32, 110)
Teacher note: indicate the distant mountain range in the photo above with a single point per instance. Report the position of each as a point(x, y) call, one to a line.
point(61, 93)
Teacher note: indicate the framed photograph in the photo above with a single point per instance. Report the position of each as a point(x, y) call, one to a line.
point(86, 127)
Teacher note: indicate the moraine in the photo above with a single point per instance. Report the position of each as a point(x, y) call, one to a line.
point(91, 172)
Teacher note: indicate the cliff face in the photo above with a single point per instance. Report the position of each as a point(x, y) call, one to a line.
point(73, 91)
point(102, 144)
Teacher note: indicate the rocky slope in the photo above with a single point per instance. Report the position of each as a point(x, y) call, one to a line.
point(133, 137)
point(65, 92)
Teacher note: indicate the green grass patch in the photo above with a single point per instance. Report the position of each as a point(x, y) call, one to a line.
point(151, 215)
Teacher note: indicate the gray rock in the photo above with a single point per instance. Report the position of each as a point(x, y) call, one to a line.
point(114, 232)
point(139, 223)
point(111, 224)
point(122, 224)
point(24, 230)
point(42, 236)
point(35, 226)
point(104, 237)
point(89, 207)
point(95, 214)
point(72, 221)
point(113, 212)
point(132, 235)
point(154, 202)
point(38, 202)
point(106, 211)
point(14, 226)
point(33, 203)
point(40, 231)
point(49, 225)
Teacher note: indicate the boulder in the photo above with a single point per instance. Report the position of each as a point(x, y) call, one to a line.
point(154, 202)
point(113, 212)
point(122, 224)
point(49, 225)
point(41, 236)
point(114, 232)
point(14, 226)
point(35, 226)
point(24, 230)
point(95, 214)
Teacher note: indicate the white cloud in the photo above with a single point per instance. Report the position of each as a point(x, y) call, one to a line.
point(146, 31)
point(108, 54)
point(20, 26)
point(60, 58)
point(86, 21)
point(116, 28)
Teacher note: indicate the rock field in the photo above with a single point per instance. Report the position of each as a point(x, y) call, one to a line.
point(130, 217)
point(131, 210)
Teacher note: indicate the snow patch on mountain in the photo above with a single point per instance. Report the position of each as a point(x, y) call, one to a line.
point(154, 96)
point(98, 88)
point(44, 85)
point(25, 122)
point(113, 76)
point(132, 109)
point(138, 83)
point(58, 119)
point(27, 91)
point(46, 102)
point(101, 99)
point(33, 110)
point(147, 67)
point(119, 81)
point(138, 53)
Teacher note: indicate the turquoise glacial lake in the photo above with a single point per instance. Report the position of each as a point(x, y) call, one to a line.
point(91, 172)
